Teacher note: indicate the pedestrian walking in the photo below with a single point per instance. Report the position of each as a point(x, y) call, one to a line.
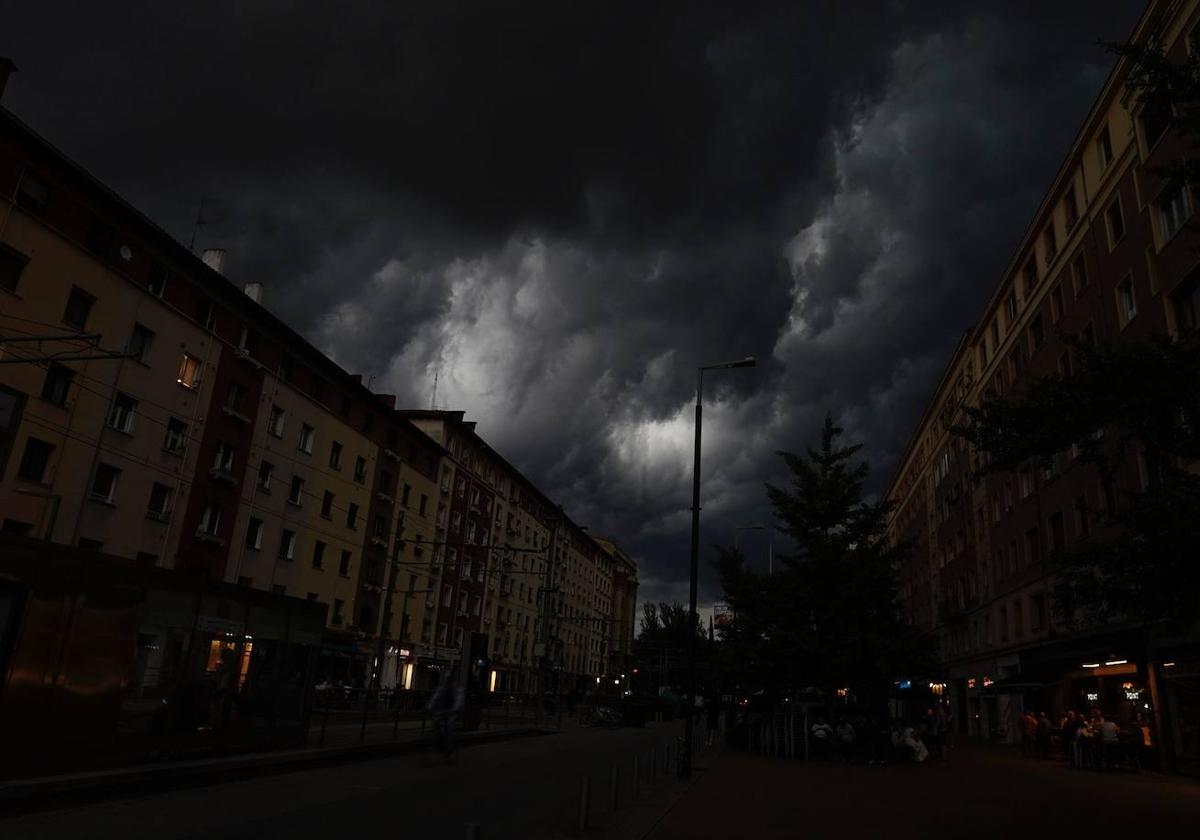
point(445, 707)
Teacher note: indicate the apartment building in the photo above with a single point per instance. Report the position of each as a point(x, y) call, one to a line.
point(1108, 257)
point(622, 609)
point(151, 409)
point(155, 411)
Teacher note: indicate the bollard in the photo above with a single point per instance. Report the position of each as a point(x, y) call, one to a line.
point(473, 831)
point(585, 793)
point(614, 787)
point(636, 779)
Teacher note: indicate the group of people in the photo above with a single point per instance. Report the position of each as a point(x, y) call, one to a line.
point(894, 741)
point(1091, 741)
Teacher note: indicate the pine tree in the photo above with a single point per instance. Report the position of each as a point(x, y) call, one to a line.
point(827, 618)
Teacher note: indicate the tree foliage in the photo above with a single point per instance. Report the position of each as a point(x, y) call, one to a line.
point(667, 623)
point(827, 618)
point(1122, 401)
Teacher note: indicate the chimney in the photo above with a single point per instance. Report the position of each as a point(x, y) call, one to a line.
point(214, 258)
point(254, 291)
point(7, 68)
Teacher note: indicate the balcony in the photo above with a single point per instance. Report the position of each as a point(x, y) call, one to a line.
point(223, 475)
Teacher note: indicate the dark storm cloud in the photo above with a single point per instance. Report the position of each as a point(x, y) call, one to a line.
point(560, 209)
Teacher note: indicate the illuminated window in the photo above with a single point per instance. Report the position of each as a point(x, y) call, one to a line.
point(189, 372)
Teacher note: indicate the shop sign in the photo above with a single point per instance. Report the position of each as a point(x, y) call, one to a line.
point(216, 624)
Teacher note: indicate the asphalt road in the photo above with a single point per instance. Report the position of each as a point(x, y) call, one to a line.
point(979, 793)
point(527, 788)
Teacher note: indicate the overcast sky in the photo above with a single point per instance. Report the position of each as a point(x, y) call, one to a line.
point(564, 208)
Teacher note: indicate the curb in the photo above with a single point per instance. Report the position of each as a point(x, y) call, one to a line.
point(42, 792)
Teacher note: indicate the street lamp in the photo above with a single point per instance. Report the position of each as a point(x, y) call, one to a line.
point(685, 758)
point(737, 532)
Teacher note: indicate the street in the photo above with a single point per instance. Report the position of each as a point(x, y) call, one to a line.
point(980, 792)
point(526, 788)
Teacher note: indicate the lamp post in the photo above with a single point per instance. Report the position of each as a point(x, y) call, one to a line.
point(737, 532)
point(685, 757)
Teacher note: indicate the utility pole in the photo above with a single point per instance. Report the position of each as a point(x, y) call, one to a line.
point(397, 545)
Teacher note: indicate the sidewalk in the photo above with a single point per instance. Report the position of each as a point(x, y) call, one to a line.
point(21, 795)
point(980, 792)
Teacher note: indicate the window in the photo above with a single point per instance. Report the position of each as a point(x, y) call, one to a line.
point(275, 423)
point(1116, 223)
point(379, 529)
point(79, 305)
point(352, 517)
point(1071, 206)
point(160, 501)
point(327, 505)
point(423, 505)
point(404, 494)
point(1186, 305)
point(1033, 545)
point(1104, 149)
point(318, 555)
point(1082, 525)
point(254, 533)
point(120, 415)
point(175, 440)
point(35, 460)
point(1056, 304)
point(360, 469)
point(206, 313)
point(287, 544)
point(447, 594)
point(156, 281)
point(223, 460)
point(335, 455)
point(57, 384)
point(1156, 116)
point(265, 470)
point(139, 343)
point(1058, 532)
point(235, 397)
point(1174, 209)
point(210, 520)
point(12, 264)
point(1037, 334)
point(1079, 278)
point(305, 444)
point(104, 485)
point(189, 372)
point(1126, 301)
point(1027, 485)
point(1050, 242)
point(247, 340)
point(344, 564)
point(296, 495)
point(1031, 276)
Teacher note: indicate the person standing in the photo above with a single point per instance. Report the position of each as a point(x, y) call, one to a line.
point(1043, 736)
point(1028, 733)
point(712, 716)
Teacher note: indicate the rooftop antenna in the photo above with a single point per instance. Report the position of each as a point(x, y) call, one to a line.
point(433, 399)
point(200, 220)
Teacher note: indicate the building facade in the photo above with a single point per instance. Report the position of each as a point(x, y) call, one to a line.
point(1108, 257)
point(151, 409)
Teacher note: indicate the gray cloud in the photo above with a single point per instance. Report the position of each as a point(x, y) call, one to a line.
point(561, 209)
